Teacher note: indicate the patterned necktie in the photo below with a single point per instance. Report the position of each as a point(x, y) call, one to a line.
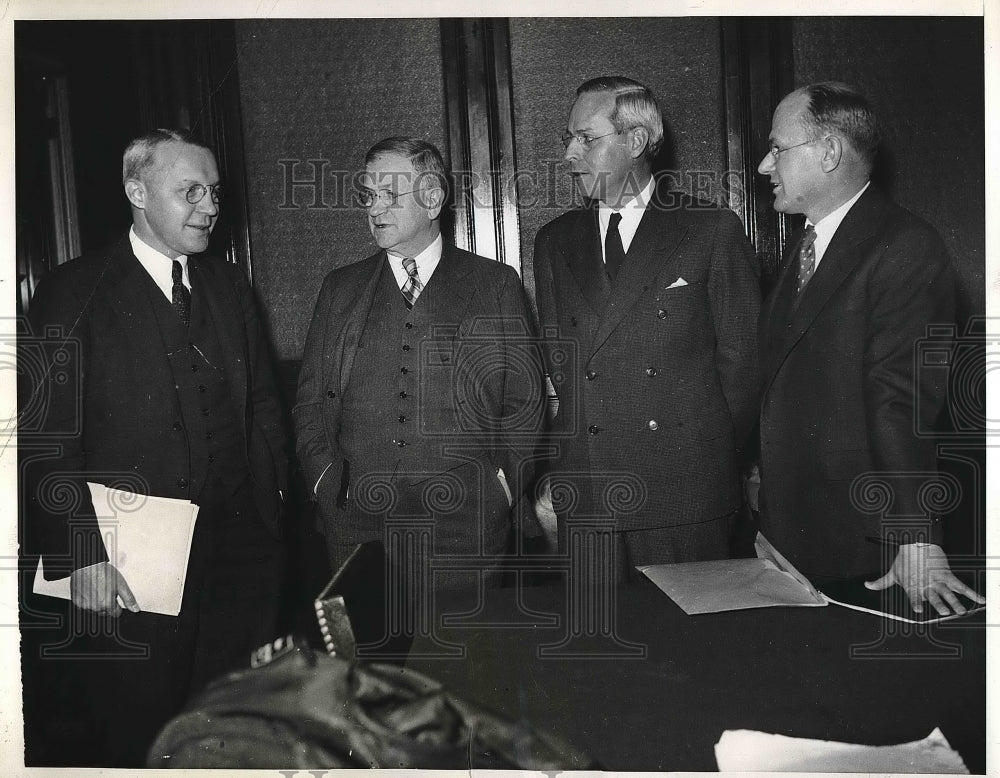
point(180, 296)
point(807, 258)
point(614, 252)
point(412, 288)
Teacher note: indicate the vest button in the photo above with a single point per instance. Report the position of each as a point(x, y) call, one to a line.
point(331, 394)
point(406, 348)
point(404, 370)
point(400, 443)
point(404, 395)
point(402, 418)
point(204, 412)
point(182, 483)
point(211, 457)
point(593, 429)
point(661, 314)
point(208, 436)
point(408, 325)
point(178, 426)
point(651, 371)
point(653, 425)
point(194, 368)
point(591, 375)
point(202, 389)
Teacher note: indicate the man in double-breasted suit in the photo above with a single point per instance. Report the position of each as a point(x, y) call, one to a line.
point(648, 306)
point(158, 382)
point(419, 397)
point(843, 463)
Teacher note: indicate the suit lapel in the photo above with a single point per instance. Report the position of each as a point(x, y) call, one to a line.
point(655, 243)
point(347, 336)
point(451, 290)
point(585, 258)
point(790, 319)
point(227, 318)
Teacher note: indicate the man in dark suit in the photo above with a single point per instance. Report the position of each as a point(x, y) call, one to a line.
point(176, 399)
point(844, 397)
point(419, 397)
point(648, 305)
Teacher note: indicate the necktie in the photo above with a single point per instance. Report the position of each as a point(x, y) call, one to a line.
point(614, 252)
point(807, 258)
point(412, 288)
point(180, 296)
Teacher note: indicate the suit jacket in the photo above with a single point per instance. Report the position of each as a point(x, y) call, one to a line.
point(110, 406)
point(486, 310)
point(842, 392)
point(656, 375)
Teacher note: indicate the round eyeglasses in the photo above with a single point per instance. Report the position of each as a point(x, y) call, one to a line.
point(196, 193)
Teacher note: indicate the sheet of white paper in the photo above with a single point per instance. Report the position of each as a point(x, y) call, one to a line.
point(744, 750)
point(148, 539)
point(729, 584)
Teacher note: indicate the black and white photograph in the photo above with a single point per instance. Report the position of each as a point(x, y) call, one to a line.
point(536, 387)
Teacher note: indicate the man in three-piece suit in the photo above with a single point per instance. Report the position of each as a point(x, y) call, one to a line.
point(177, 400)
point(843, 395)
point(648, 306)
point(420, 396)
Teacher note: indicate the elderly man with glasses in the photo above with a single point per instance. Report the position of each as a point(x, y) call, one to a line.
point(648, 304)
point(160, 384)
point(420, 395)
point(848, 471)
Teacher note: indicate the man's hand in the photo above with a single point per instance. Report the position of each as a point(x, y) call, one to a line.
point(98, 587)
point(922, 570)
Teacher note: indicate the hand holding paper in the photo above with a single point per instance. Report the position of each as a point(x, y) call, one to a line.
point(922, 570)
point(99, 588)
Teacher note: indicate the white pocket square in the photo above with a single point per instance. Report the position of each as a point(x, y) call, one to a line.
point(678, 282)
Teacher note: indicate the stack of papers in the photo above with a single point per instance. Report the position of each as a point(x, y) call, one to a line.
point(148, 539)
point(744, 750)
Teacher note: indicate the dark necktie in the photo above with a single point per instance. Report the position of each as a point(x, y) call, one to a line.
point(411, 289)
point(807, 258)
point(614, 252)
point(180, 296)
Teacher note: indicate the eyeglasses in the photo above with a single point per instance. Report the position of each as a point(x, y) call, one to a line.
point(776, 150)
point(586, 141)
point(366, 197)
point(196, 193)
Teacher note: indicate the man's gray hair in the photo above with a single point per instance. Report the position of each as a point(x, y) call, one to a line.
point(138, 156)
point(424, 156)
point(635, 106)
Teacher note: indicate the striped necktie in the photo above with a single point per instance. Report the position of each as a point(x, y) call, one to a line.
point(412, 288)
point(807, 258)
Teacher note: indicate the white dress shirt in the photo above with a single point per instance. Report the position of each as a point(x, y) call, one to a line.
point(827, 226)
point(427, 261)
point(631, 212)
point(159, 266)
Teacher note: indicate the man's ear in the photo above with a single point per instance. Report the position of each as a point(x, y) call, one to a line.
point(639, 142)
point(435, 202)
point(833, 153)
point(135, 191)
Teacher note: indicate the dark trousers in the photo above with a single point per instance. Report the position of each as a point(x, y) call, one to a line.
point(143, 668)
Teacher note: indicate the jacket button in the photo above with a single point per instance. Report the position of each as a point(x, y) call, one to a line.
point(403, 370)
point(404, 395)
point(400, 443)
point(405, 347)
point(661, 314)
point(593, 429)
point(202, 389)
point(402, 418)
point(653, 425)
point(182, 483)
point(408, 325)
point(178, 426)
point(194, 368)
point(331, 394)
point(591, 375)
point(651, 371)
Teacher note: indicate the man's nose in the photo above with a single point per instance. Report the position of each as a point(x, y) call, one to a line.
point(207, 204)
point(766, 165)
point(377, 207)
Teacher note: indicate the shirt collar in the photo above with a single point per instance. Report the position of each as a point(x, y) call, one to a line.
point(631, 207)
point(827, 226)
point(427, 260)
point(148, 255)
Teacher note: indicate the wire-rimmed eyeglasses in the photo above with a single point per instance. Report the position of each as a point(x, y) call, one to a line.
point(585, 140)
point(196, 192)
point(366, 198)
point(775, 150)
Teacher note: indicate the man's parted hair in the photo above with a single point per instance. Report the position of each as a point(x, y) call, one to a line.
point(635, 106)
point(138, 156)
point(424, 157)
point(837, 107)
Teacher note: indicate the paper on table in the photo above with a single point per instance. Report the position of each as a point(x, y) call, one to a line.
point(744, 750)
point(148, 539)
point(729, 584)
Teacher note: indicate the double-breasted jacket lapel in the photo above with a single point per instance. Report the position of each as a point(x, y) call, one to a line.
point(653, 248)
point(584, 256)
